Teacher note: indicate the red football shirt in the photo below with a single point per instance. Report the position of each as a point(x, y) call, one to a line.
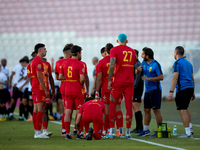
point(97, 67)
point(125, 60)
point(103, 66)
point(36, 65)
point(47, 68)
point(93, 107)
point(72, 69)
point(57, 71)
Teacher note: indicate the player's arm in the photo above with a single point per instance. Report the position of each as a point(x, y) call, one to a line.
point(11, 77)
point(111, 71)
point(52, 65)
point(99, 80)
point(158, 78)
point(52, 85)
point(61, 77)
point(82, 79)
point(87, 83)
point(20, 88)
point(173, 84)
point(29, 79)
point(4, 83)
point(78, 119)
point(41, 81)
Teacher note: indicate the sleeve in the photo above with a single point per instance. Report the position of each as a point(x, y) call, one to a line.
point(61, 70)
point(39, 66)
point(112, 53)
point(56, 68)
point(99, 68)
point(80, 110)
point(85, 66)
point(158, 70)
point(15, 68)
point(82, 70)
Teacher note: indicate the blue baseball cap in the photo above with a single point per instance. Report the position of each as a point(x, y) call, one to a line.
point(122, 37)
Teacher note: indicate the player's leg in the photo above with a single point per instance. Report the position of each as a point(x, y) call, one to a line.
point(98, 126)
point(13, 103)
point(119, 120)
point(21, 106)
point(147, 116)
point(63, 116)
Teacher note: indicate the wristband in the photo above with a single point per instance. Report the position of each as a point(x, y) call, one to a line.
point(171, 91)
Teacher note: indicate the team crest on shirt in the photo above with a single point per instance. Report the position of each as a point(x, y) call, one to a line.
point(28, 71)
point(39, 66)
point(150, 69)
point(83, 70)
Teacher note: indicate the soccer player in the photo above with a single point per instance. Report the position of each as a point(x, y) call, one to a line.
point(102, 82)
point(4, 95)
point(153, 92)
point(59, 63)
point(5, 70)
point(91, 111)
point(39, 89)
point(123, 57)
point(138, 90)
point(74, 73)
point(183, 80)
point(47, 76)
point(19, 86)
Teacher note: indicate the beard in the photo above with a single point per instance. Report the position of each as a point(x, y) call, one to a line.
point(145, 59)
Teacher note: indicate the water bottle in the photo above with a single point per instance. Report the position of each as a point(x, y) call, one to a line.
point(174, 130)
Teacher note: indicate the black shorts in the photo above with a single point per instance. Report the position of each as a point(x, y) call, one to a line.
point(137, 98)
point(16, 94)
point(4, 96)
point(138, 94)
point(183, 98)
point(25, 94)
point(30, 96)
point(152, 99)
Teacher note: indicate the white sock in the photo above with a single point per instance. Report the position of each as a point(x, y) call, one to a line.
point(75, 130)
point(87, 134)
point(187, 131)
point(63, 130)
point(190, 125)
point(111, 131)
point(11, 114)
point(20, 117)
point(146, 127)
point(45, 130)
point(121, 130)
point(38, 132)
point(127, 131)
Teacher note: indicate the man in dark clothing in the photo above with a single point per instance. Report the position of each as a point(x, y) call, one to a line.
point(138, 90)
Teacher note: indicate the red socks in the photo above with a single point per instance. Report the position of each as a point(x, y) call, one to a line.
point(45, 124)
point(39, 117)
point(119, 119)
point(112, 108)
point(67, 127)
point(129, 114)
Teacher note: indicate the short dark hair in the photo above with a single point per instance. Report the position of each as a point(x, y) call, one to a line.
point(33, 54)
point(108, 47)
point(75, 49)
point(89, 98)
point(38, 46)
point(180, 50)
point(136, 51)
point(148, 52)
point(69, 44)
point(102, 50)
point(61, 57)
point(66, 48)
point(24, 59)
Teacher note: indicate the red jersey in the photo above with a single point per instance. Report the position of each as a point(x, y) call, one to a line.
point(72, 69)
point(57, 71)
point(103, 66)
point(36, 65)
point(125, 60)
point(85, 67)
point(93, 107)
point(47, 68)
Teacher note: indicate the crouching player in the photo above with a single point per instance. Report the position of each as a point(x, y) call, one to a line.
point(93, 111)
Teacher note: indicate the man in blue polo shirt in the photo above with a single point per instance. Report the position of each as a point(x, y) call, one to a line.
point(183, 80)
point(153, 92)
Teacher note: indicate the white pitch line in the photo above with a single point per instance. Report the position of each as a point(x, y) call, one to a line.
point(157, 144)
